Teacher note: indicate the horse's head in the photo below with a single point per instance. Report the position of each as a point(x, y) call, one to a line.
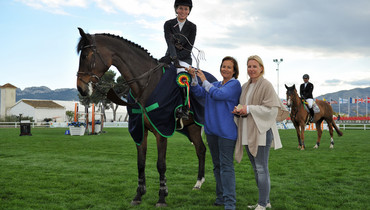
point(92, 64)
point(290, 93)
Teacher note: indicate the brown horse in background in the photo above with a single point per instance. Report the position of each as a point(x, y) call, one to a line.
point(142, 73)
point(299, 117)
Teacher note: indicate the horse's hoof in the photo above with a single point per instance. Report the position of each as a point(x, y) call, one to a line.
point(315, 147)
point(331, 146)
point(302, 149)
point(135, 203)
point(199, 183)
point(161, 205)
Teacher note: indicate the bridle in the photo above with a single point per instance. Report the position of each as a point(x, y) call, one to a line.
point(294, 109)
point(92, 64)
point(94, 79)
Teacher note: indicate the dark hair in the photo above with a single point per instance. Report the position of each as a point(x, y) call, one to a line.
point(306, 76)
point(236, 67)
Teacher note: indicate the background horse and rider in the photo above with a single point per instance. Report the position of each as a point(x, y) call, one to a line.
point(143, 74)
point(299, 116)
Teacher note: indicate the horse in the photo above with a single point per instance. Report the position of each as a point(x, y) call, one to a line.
point(142, 73)
point(299, 117)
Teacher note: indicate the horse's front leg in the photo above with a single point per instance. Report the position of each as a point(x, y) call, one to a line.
point(298, 131)
point(195, 136)
point(302, 126)
point(161, 167)
point(319, 133)
point(141, 157)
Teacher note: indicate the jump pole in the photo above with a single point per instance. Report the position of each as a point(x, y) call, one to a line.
point(76, 111)
point(87, 117)
point(93, 119)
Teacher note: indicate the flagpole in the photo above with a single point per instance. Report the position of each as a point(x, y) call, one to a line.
point(349, 102)
point(339, 107)
point(357, 105)
point(367, 101)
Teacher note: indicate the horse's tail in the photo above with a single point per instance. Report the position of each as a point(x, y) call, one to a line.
point(339, 132)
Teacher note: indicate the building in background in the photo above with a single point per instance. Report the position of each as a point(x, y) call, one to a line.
point(8, 96)
point(39, 110)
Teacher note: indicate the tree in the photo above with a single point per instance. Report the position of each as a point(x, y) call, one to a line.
point(70, 115)
point(99, 96)
point(122, 90)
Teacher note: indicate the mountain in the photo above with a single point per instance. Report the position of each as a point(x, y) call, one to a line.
point(346, 108)
point(354, 93)
point(71, 94)
point(43, 92)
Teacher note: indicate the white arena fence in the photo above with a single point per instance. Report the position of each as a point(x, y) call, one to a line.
point(59, 124)
point(280, 125)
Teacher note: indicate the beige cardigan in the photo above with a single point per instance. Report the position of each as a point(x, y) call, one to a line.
point(258, 120)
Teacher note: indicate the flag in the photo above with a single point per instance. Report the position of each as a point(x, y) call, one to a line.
point(333, 101)
point(368, 100)
point(343, 100)
point(352, 100)
point(360, 100)
point(284, 101)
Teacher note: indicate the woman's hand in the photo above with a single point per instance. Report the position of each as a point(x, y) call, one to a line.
point(240, 110)
point(201, 75)
point(191, 71)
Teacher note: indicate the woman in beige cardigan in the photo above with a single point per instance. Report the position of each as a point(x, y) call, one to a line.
point(258, 111)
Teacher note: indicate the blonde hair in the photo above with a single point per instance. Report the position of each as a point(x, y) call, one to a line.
point(259, 60)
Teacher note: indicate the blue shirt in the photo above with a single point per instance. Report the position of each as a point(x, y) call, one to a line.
point(220, 102)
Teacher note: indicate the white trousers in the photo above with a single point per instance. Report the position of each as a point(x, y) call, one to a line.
point(184, 64)
point(309, 102)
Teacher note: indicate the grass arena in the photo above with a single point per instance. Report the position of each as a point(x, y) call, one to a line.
point(50, 170)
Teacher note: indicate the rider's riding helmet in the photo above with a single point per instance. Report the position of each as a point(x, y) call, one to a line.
point(184, 3)
point(306, 76)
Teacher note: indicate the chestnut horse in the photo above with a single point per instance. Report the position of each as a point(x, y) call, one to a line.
point(299, 117)
point(142, 73)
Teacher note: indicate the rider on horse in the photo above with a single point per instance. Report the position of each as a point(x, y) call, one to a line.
point(180, 37)
point(306, 94)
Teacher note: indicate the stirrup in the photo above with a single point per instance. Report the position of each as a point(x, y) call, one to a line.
point(179, 120)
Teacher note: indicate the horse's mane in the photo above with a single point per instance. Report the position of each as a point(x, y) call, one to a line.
point(82, 43)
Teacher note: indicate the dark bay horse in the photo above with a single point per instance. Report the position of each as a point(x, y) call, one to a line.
point(142, 73)
point(299, 117)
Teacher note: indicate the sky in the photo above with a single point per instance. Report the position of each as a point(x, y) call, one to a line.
point(329, 40)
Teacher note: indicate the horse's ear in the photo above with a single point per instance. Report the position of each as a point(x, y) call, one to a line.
point(82, 33)
point(293, 86)
point(286, 86)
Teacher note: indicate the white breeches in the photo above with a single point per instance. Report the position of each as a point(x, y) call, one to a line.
point(184, 64)
point(309, 102)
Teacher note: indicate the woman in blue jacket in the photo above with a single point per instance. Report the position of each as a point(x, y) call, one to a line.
point(219, 126)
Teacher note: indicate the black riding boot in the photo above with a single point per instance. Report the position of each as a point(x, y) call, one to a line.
point(311, 115)
point(183, 112)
